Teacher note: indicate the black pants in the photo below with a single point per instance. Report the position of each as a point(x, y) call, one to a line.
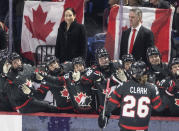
point(38, 106)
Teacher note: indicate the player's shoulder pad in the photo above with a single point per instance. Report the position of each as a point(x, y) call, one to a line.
point(152, 87)
point(67, 66)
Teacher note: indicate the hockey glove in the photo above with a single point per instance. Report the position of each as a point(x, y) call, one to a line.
point(6, 67)
point(25, 89)
point(39, 76)
point(121, 75)
point(76, 76)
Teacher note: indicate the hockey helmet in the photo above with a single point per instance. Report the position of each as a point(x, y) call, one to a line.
point(153, 51)
point(13, 56)
point(102, 52)
point(49, 60)
point(128, 57)
point(78, 60)
point(118, 64)
point(138, 68)
point(173, 62)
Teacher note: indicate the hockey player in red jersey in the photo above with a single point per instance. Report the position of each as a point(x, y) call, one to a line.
point(136, 98)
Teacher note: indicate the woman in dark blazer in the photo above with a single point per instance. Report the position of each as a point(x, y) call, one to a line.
point(71, 38)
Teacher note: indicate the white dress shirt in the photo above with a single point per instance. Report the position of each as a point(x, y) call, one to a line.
point(130, 35)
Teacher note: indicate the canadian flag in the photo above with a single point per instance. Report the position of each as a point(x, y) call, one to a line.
point(158, 20)
point(41, 21)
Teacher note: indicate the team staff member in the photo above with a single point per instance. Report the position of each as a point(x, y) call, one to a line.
point(137, 38)
point(71, 38)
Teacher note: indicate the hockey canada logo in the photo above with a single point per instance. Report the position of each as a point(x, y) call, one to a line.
point(177, 102)
point(82, 99)
point(65, 93)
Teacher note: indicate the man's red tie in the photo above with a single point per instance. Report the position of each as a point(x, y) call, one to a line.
point(132, 41)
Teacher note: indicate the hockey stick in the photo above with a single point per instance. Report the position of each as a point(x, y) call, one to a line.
point(105, 100)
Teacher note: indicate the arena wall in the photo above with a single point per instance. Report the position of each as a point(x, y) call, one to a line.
point(73, 122)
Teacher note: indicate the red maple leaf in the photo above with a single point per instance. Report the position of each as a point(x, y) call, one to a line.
point(65, 93)
point(177, 102)
point(80, 97)
point(38, 27)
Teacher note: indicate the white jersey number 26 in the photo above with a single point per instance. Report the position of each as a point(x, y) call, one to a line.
point(142, 108)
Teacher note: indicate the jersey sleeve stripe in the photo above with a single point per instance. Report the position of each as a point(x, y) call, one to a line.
point(114, 101)
point(169, 93)
point(46, 87)
point(97, 72)
point(133, 127)
point(156, 98)
point(25, 103)
point(157, 106)
point(40, 90)
point(115, 93)
point(9, 81)
point(87, 79)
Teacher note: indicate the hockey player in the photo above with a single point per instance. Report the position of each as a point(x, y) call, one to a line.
point(103, 63)
point(156, 68)
point(120, 73)
point(54, 67)
point(20, 77)
point(116, 79)
point(99, 73)
point(78, 86)
point(4, 68)
point(136, 98)
point(171, 87)
point(59, 91)
point(127, 60)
